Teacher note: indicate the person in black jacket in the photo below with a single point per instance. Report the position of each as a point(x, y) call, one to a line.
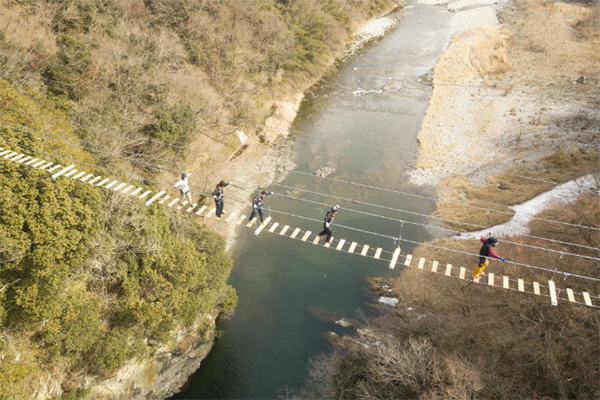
point(327, 223)
point(217, 194)
point(257, 206)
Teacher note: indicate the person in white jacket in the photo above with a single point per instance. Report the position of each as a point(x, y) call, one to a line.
point(184, 188)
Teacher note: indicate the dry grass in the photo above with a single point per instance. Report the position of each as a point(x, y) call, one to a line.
point(503, 190)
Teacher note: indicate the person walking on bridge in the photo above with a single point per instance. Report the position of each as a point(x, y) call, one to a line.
point(257, 206)
point(327, 223)
point(217, 194)
point(485, 253)
point(184, 188)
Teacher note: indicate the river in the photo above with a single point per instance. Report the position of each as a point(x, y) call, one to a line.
point(376, 97)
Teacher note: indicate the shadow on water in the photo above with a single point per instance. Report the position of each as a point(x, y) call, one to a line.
point(281, 282)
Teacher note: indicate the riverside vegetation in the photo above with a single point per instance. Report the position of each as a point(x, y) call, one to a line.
point(90, 279)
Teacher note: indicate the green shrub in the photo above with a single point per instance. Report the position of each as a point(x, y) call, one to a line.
point(71, 71)
point(109, 353)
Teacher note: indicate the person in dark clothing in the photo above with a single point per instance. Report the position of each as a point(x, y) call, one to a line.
point(217, 194)
point(327, 223)
point(485, 253)
point(257, 206)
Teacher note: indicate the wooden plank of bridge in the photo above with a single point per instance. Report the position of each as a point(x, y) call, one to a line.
point(63, 171)
point(505, 282)
point(378, 253)
point(306, 235)
point(571, 295)
point(70, 173)
point(127, 189)
point(155, 197)
point(119, 186)
point(211, 213)
point(136, 191)
point(250, 223)
point(434, 266)
point(102, 182)
point(46, 166)
point(79, 175)
point(37, 164)
point(173, 201)
point(273, 227)
point(536, 288)
point(230, 218)
point(24, 159)
point(201, 210)
point(10, 154)
point(352, 247)
point(185, 202)
point(364, 250)
point(240, 219)
point(476, 279)
point(327, 244)
point(521, 285)
point(32, 161)
point(164, 199)
point(15, 156)
point(145, 194)
point(491, 279)
point(421, 263)
point(552, 288)
point(85, 178)
point(262, 226)
point(4, 152)
point(587, 299)
point(190, 208)
point(295, 233)
point(462, 273)
point(96, 179)
point(55, 168)
point(394, 259)
point(316, 239)
point(448, 269)
point(284, 230)
point(340, 244)
point(408, 260)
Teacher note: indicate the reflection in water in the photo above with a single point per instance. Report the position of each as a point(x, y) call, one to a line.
point(280, 282)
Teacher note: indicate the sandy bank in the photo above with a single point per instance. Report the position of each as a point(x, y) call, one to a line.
point(505, 92)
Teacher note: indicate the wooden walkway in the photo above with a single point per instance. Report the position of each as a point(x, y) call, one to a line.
point(364, 250)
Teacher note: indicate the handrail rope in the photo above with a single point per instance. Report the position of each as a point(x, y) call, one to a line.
point(350, 200)
point(384, 150)
point(441, 248)
point(428, 216)
point(429, 245)
point(440, 228)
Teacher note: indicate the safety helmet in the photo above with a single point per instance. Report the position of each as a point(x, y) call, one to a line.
point(183, 176)
point(492, 240)
point(335, 208)
point(223, 183)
